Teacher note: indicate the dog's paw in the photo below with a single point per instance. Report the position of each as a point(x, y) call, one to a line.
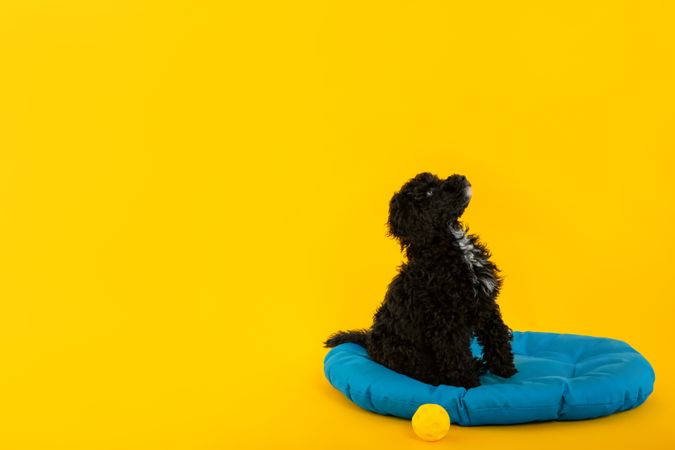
point(505, 372)
point(470, 382)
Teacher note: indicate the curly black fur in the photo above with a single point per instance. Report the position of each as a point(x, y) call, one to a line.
point(443, 296)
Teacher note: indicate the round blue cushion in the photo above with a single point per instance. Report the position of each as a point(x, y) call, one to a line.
point(560, 377)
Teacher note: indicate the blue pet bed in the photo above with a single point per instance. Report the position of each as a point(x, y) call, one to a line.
point(560, 377)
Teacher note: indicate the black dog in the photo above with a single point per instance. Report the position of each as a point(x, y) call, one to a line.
point(443, 296)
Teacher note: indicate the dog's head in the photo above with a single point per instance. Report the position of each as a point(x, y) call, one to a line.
point(426, 205)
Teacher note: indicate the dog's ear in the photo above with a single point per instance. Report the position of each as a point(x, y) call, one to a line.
point(408, 221)
point(401, 217)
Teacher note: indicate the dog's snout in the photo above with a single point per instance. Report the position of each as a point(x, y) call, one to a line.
point(468, 192)
point(456, 182)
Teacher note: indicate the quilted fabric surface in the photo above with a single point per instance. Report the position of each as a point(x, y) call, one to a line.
point(560, 377)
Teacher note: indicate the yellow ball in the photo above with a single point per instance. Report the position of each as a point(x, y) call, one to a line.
point(431, 422)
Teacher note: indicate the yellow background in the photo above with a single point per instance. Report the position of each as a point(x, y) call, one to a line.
point(193, 196)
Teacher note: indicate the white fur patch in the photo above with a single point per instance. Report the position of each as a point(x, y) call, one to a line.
point(474, 259)
point(488, 284)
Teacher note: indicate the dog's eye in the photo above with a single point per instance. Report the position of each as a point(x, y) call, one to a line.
point(430, 192)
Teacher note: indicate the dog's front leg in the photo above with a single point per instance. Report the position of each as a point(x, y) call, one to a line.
point(452, 349)
point(491, 331)
point(495, 338)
